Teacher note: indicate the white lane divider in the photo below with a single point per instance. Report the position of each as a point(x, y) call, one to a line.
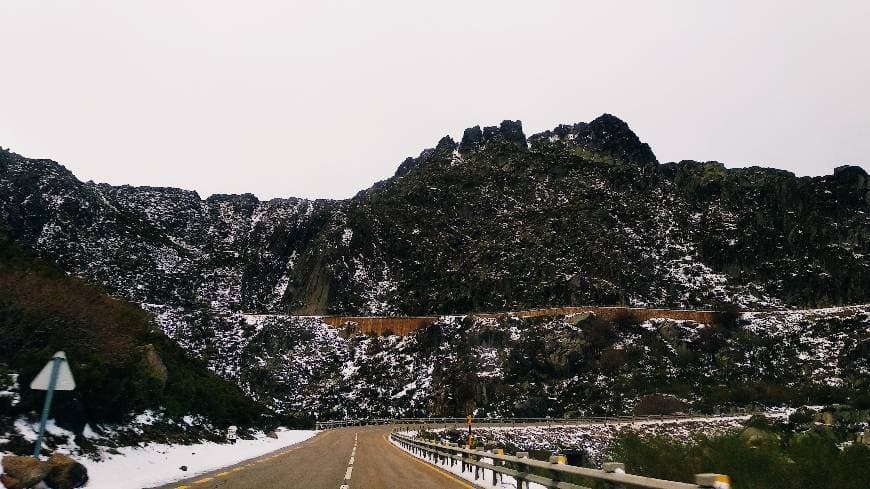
point(349, 472)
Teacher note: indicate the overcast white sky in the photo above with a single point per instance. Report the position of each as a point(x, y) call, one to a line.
point(321, 99)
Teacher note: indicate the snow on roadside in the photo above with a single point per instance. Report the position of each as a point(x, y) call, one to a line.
point(158, 464)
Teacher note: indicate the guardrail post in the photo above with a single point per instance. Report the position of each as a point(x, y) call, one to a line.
point(714, 481)
point(557, 459)
point(613, 468)
point(496, 451)
point(522, 469)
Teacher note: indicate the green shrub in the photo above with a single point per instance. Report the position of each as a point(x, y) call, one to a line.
point(809, 460)
point(759, 421)
point(802, 415)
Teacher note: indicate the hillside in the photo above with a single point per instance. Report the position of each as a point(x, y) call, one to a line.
point(124, 365)
point(582, 214)
point(547, 366)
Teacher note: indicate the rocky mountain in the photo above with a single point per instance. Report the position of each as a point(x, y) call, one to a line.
point(581, 214)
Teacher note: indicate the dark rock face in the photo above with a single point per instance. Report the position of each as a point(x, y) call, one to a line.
point(580, 214)
point(65, 473)
point(472, 138)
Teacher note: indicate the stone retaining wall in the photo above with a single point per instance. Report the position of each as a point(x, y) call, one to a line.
point(404, 325)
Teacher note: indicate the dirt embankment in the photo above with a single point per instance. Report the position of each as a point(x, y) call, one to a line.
point(403, 325)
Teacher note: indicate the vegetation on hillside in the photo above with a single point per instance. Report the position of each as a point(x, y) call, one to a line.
point(765, 455)
point(122, 364)
point(809, 449)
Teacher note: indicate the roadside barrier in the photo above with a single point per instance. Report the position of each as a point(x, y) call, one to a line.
point(450, 421)
point(492, 466)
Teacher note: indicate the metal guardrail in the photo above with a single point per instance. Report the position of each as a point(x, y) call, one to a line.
point(444, 421)
point(523, 469)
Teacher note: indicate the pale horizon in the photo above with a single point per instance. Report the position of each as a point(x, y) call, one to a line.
point(321, 101)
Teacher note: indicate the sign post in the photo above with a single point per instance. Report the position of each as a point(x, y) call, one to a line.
point(56, 375)
point(469, 419)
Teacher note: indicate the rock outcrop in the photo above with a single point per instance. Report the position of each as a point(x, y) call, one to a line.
point(582, 214)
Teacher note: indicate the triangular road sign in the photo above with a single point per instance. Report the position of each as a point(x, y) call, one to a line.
point(65, 381)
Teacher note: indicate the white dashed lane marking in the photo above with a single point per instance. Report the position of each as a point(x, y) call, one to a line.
point(349, 472)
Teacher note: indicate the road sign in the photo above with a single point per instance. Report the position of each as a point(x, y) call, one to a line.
point(232, 434)
point(56, 375)
point(65, 380)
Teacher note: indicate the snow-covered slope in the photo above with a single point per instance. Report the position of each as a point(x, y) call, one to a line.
point(532, 367)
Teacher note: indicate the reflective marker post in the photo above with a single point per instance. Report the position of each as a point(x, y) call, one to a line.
point(56, 375)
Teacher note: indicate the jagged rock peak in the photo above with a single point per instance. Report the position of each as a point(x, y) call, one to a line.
point(853, 178)
point(607, 135)
point(446, 144)
point(508, 131)
point(472, 138)
point(245, 199)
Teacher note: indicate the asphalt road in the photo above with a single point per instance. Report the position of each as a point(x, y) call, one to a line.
point(358, 458)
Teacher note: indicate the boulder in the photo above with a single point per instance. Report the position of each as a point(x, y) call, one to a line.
point(755, 436)
point(10, 482)
point(575, 319)
point(154, 365)
point(26, 471)
point(272, 434)
point(826, 418)
point(65, 473)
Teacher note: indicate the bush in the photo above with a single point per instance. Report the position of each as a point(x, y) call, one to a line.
point(808, 461)
point(625, 318)
point(860, 401)
point(802, 415)
point(759, 421)
point(729, 316)
point(655, 404)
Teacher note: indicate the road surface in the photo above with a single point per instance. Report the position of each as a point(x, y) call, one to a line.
point(357, 457)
